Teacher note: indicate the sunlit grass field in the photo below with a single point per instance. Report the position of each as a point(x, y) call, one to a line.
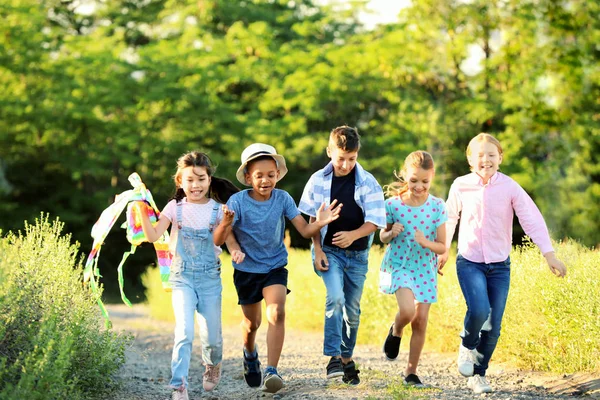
point(550, 324)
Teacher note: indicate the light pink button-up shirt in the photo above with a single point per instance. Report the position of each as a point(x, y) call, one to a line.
point(486, 217)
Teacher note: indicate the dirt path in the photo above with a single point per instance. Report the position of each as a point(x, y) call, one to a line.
point(147, 371)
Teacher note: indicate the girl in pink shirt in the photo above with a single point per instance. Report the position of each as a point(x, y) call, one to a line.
point(485, 202)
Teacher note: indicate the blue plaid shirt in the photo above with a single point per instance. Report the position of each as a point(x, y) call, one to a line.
point(367, 194)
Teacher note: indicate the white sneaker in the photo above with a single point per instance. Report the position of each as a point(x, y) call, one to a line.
point(211, 377)
point(466, 360)
point(180, 394)
point(478, 384)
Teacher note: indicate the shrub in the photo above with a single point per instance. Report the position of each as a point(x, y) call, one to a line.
point(52, 342)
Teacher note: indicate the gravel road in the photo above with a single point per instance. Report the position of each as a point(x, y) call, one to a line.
point(147, 371)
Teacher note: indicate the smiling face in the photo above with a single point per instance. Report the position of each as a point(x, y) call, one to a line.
point(195, 183)
point(343, 161)
point(262, 175)
point(484, 159)
point(418, 181)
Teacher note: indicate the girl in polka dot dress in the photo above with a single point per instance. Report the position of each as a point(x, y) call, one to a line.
point(416, 234)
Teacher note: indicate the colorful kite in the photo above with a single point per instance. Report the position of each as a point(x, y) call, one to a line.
point(137, 201)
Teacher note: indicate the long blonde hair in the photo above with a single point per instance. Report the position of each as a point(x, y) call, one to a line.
point(416, 159)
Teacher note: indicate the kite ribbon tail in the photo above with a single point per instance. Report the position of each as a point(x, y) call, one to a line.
point(120, 271)
point(94, 287)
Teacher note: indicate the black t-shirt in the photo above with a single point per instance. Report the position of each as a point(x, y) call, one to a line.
point(351, 216)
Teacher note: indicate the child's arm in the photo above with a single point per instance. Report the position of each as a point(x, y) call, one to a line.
point(344, 239)
point(321, 261)
point(324, 216)
point(152, 232)
point(533, 224)
point(453, 207)
point(223, 230)
point(237, 255)
point(391, 231)
point(439, 245)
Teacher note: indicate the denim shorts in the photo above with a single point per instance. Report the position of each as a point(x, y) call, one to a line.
point(249, 285)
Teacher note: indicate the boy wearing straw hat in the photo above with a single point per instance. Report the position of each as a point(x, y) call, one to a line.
point(259, 226)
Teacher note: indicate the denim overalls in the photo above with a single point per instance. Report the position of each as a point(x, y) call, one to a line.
point(196, 282)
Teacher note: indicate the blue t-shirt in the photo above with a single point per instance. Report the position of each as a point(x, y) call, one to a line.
point(259, 227)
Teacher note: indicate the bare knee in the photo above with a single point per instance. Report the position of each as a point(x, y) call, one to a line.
point(419, 323)
point(250, 325)
point(276, 314)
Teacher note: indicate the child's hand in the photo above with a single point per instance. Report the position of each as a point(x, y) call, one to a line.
point(557, 267)
point(321, 262)
point(442, 259)
point(342, 239)
point(327, 214)
point(237, 256)
point(227, 215)
point(397, 228)
point(420, 238)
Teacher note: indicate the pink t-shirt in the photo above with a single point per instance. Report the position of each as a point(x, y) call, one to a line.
point(196, 216)
point(486, 217)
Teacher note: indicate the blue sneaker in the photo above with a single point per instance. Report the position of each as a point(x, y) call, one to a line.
point(252, 372)
point(273, 382)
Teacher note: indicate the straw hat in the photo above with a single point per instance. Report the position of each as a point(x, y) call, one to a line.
point(256, 150)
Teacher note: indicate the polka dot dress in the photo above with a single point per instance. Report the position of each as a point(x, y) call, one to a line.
point(405, 263)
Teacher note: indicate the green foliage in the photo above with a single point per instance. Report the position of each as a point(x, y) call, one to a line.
point(550, 324)
point(88, 98)
point(52, 343)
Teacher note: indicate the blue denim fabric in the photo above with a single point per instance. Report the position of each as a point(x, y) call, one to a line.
point(344, 282)
point(485, 289)
point(196, 283)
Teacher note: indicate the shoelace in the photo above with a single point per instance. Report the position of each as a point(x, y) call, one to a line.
point(212, 373)
point(468, 356)
point(253, 366)
point(481, 380)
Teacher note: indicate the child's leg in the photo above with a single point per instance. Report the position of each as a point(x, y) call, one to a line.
point(498, 281)
point(355, 274)
point(251, 320)
point(417, 340)
point(474, 285)
point(184, 305)
point(333, 279)
point(275, 296)
point(209, 322)
point(406, 310)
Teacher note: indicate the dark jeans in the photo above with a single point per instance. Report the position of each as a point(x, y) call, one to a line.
point(485, 289)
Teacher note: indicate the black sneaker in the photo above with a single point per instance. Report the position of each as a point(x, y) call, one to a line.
point(252, 371)
point(334, 368)
point(413, 380)
point(391, 346)
point(351, 374)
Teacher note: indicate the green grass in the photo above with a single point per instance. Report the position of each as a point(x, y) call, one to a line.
point(550, 324)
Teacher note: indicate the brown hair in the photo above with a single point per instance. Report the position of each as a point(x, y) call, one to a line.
point(416, 159)
point(220, 189)
point(345, 138)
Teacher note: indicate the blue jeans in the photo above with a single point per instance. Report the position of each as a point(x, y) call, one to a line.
point(485, 289)
point(344, 282)
point(196, 291)
point(196, 282)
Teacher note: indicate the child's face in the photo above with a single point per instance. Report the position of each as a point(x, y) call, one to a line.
point(262, 176)
point(484, 159)
point(419, 182)
point(195, 183)
point(343, 161)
